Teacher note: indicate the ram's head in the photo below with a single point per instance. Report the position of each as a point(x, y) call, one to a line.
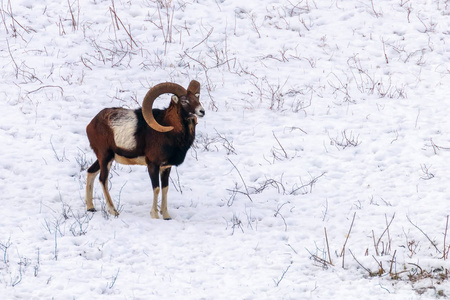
point(188, 100)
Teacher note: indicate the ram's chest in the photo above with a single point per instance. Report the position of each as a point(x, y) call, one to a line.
point(174, 155)
point(124, 128)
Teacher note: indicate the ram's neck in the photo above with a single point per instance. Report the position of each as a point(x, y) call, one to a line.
point(182, 124)
point(172, 117)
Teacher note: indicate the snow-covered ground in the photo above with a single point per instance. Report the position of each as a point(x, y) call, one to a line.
point(319, 171)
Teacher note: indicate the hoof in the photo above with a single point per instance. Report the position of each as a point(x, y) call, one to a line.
point(165, 215)
point(92, 210)
point(113, 212)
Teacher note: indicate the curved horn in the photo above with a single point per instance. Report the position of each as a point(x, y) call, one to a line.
point(194, 87)
point(152, 94)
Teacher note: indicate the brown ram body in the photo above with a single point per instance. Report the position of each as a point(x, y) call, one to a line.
point(156, 138)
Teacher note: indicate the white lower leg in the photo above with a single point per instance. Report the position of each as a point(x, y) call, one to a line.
point(109, 204)
point(164, 210)
point(90, 190)
point(154, 211)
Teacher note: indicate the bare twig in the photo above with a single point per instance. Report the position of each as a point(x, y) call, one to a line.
point(328, 246)
point(114, 278)
point(310, 184)
point(346, 140)
point(16, 68)
point(9, 12)
point(47, 86)
point(277, 212)
point(207, 36)
point(432, 243)
point(166, 26)
point(285, 154)
point(375, 244)
point(346, 239)
point(445, 256)
point(277, 283)
point(392, 262)
point(226, 143)
point(112, 10)
point(4, 246)
point(60, 158)
point(320, 260)
point(436, 148)
point(245, 185)
point(417, 118)
point(384, 50)
point(2, 13)
point(427, 174)
point(373, 9)
point(74, 23)
point(367, 270)
point(389, 239)
point(252, 18)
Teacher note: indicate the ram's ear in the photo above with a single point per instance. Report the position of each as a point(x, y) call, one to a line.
point(175, 99)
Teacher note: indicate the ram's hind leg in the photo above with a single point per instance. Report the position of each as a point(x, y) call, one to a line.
point(92, 172)
point(165, 172)
point(105, 166)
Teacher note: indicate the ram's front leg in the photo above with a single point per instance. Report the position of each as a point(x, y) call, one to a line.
point(165, 172)
point(153, 171)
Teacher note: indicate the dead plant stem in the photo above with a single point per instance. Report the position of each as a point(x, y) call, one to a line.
point(328, 246)
point(346, 239)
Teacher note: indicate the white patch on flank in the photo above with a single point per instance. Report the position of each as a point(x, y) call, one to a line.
point(124, 127)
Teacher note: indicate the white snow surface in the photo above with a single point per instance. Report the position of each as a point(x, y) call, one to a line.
point(320, 115)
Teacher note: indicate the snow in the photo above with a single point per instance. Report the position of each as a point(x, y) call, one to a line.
point(321, 115)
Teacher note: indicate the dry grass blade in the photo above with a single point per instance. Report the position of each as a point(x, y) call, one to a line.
point(346, 239)
point(118, 20)
point(432, 243)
